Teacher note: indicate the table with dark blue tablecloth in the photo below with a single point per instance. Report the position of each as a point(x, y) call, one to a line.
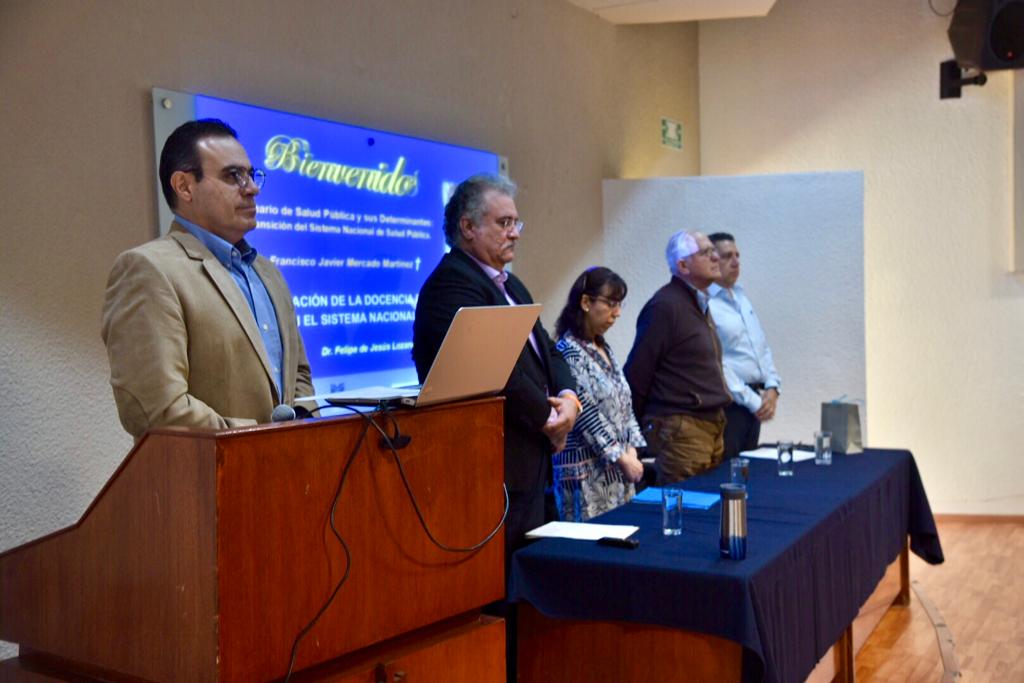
point(818, 544)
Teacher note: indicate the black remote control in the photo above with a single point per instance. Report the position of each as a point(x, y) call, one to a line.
point(627, 543)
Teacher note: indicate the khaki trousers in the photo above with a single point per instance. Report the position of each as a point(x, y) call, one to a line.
point(684, 445)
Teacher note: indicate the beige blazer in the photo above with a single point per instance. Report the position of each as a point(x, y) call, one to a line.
point(183, 343)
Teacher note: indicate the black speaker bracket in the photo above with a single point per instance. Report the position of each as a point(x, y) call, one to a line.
point(952, 78)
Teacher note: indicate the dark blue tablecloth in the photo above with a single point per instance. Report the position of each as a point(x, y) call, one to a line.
point(818, 544)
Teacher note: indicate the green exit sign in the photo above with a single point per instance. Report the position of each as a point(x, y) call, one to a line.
point(671, 133)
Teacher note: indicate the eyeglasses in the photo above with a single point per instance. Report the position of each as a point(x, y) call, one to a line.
point(507, 223)
point(610, 303)
point(705, 253)
point(256, 176)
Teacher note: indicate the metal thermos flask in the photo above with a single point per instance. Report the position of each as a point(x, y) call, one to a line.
point(733, 540)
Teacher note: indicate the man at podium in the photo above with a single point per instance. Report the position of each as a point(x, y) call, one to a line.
point(481, 225)
point(199, 328)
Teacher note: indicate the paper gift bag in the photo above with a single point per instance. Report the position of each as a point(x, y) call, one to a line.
point(843, 420)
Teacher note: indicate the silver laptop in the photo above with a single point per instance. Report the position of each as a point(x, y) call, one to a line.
point(476, 358)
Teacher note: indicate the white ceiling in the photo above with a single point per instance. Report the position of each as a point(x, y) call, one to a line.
point(664, 11)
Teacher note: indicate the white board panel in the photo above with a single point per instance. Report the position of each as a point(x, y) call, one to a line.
point(801, 239)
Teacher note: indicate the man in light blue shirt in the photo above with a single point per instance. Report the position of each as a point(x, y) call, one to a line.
point(746, 358)
point(200, 330)
point(238, 260)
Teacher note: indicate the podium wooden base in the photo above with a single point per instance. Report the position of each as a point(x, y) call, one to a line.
point(208, 552)
point(467, 649)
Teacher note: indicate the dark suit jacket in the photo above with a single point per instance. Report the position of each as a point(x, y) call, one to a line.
point(456, 282)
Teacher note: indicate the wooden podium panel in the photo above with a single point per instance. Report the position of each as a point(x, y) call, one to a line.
point(469, 648)
point(464, 649)
point(279, 561)
point(207, 552)
point(131, 587)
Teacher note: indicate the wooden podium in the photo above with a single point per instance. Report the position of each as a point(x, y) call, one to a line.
point(206, 553)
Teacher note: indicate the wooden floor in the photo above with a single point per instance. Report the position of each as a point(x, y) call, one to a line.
point(979, 593)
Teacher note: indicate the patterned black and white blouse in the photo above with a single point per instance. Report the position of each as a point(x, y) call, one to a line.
point(587, 481)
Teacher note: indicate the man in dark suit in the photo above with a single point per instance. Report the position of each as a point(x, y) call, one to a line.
point(482, 226)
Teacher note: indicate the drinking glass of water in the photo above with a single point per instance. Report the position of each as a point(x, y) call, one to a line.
point(785, 458)
point(671, 510)
point(822, 448)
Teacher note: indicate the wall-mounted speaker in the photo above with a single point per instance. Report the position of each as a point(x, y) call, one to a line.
point(988, 34)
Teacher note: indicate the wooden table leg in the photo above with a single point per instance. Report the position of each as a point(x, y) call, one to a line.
point(843, 654)
point(903, 597)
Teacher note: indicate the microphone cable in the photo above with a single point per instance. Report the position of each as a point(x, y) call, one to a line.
point(344, 546)
point(389, 442)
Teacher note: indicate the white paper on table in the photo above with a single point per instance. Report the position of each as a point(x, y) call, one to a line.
point(772, 453)
point(582, 531)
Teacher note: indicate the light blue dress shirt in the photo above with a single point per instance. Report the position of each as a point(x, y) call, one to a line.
point(703, 298)
point(746, 357)
point(238, 261)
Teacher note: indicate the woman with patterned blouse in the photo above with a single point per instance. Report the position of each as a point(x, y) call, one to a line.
point(599, 466)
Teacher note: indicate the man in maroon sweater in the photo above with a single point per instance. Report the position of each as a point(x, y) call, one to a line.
point(675, 367)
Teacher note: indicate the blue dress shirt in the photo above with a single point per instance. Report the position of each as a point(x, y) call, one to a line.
point(238, 260)
point(746, 358)
point(703, 298)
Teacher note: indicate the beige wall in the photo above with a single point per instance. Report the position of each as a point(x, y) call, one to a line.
point(833, 84)
point(817, 85)
point(567, 97)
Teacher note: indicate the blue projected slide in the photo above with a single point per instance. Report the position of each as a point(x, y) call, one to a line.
point(353, 217)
